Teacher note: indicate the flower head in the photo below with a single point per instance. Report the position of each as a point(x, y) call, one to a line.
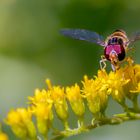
point(95, 92)
point(21, 123)
point(40, 96)
point(59, 100)
point(131, 72)
point(116, 82)
point(75, 98)
point(41, 107)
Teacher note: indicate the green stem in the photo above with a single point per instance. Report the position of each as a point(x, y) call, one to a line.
point(45, 137)
point(66, 125)
point(135, 104)
point(117, 119)
point(80, 121)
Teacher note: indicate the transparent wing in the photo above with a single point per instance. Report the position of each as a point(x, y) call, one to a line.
point(82, 34)
point(134, 37)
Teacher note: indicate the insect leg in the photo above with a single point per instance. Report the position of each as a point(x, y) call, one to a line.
point(102, 62)
point(130, 49)
point(113, 67)
point(129, 60)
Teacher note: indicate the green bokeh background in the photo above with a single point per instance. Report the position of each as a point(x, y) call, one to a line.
point(32, 49)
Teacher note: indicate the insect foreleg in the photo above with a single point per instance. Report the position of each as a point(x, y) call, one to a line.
point(102, 62)
point(113, 67)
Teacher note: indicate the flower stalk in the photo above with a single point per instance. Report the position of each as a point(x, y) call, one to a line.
point(55, 101)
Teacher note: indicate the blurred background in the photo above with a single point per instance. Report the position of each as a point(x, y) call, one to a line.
point(32, 49)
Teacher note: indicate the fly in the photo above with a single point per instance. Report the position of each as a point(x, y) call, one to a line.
point(115, 45)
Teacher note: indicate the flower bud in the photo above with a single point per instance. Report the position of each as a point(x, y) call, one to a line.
point(75, 99)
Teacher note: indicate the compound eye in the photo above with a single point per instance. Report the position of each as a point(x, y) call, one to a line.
point(115, 39)
point(120, 41)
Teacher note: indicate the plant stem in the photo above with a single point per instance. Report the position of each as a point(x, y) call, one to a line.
point(135, 103)
point(117, 119)
point(80, 121)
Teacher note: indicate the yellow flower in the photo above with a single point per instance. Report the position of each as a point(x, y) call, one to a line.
point(44, 117)
point(21, 123)
point(116, 82)
point(59, 100)
point(133, 74)
point(43, 111)
point(42, 96)
point(95, 92)
point(137, 90)
point(75, 99)
point(41, 107)
point(137, 73)
point(3, 136)
point(60, 103)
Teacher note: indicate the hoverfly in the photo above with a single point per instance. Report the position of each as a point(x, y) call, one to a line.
point(115, 45)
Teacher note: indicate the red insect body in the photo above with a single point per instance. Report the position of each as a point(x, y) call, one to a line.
point(115, 49)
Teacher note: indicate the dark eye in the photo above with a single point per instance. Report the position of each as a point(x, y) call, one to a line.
point(115, 39)
point(120, 41)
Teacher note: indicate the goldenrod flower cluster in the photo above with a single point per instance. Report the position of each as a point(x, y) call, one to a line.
point(56, 100)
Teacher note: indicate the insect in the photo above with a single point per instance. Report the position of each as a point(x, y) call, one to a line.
point(115, 45)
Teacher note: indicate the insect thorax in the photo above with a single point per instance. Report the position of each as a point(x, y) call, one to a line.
point(117, 37)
